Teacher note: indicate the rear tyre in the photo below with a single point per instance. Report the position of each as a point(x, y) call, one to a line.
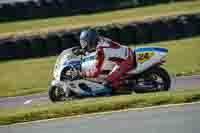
point(158, 78)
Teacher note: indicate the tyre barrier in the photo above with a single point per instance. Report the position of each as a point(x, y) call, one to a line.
point(142, 33)
point(54, 43)
point(6, 13)
point(7, 49)
point(69, 39)
point(22, 48)
point(128, 34)
point(162, 29)
point(113, 32)
point(32, 9)
point(158, 30)
point(38, 46)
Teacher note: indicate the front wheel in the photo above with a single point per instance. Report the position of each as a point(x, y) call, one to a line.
point(58, 91)
point(156, 79)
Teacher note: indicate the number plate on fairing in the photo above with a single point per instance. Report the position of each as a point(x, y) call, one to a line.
point(144, 56)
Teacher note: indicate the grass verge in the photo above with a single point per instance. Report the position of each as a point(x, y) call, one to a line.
point(96, 105)
point(41, 26)
point(22, 77)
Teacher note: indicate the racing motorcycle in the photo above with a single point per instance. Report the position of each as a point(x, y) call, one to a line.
point(147, 75)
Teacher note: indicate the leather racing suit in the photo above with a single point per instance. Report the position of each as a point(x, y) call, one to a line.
point(112, 51)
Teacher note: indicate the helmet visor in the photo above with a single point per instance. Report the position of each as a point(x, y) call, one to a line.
point(84, 44)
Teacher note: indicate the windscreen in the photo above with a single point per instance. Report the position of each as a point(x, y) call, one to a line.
point(66, 55)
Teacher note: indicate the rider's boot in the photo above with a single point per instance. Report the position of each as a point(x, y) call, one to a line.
point(108, 86)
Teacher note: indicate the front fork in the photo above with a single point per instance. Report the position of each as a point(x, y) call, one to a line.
point(61, 84)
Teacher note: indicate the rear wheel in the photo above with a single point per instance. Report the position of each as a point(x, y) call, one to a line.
point(157, 79)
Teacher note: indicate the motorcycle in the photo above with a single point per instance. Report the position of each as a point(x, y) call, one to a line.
point(147, 75)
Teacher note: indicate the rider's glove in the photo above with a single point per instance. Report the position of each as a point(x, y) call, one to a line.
point(76, 75)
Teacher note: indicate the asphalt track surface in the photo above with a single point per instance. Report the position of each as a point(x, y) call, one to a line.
point(178, 119)
point(189, 82)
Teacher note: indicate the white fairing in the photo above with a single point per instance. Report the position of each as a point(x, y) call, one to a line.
point(65, 57)
point(146, 57)
point(90, 62)
point(155, 55)
point(118, 53)
point(158, 55)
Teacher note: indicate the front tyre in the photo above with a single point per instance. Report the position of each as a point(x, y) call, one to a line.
point(58, 91)
point(156, 79)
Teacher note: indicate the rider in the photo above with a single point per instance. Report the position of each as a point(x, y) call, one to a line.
point(106, 49)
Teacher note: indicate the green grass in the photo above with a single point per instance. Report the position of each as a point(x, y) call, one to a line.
point(21, 77)
point(63, 109)
point(184, 59)
point(24, 77)
point(120, 16)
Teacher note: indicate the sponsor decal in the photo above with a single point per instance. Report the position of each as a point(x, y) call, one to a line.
point(144, 56)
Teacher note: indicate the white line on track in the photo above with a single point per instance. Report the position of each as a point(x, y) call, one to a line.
point(27, 101)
